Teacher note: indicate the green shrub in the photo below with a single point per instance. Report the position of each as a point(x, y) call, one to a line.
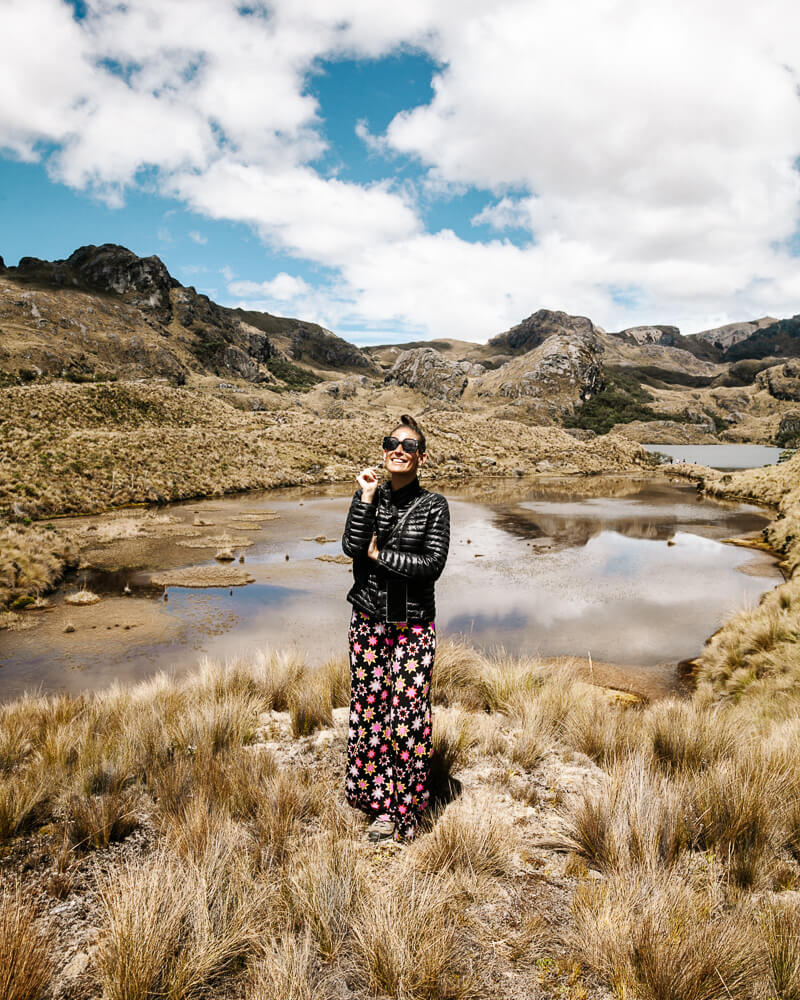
point(621, 401)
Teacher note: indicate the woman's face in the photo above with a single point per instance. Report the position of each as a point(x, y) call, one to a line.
point(399, 461)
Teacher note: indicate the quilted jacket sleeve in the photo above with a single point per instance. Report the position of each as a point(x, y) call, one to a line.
point(359, 528)
point(428, 564)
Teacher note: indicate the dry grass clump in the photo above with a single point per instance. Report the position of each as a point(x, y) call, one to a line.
point(291, 798)
point(32, 561)
point(780, 929)
point(287, 971)
point(27, 946)
point(452, 739)
point(737, 807)
point(458, 675)
point(604, 730)
point(408, 941)
point(26, 800)
point(325, 883)
point(208, 727)
point(758, 647)
point(279, 673)
point(337, 671)
point(636, 820)
point(657, 938)
point(95, 821)
point(175, 928)
point(310, 704)
point(467, 839)
point(690, 736)
point(82, 597)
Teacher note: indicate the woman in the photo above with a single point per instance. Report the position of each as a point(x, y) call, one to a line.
point(398, 535)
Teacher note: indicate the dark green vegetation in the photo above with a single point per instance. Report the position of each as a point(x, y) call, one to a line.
point(293, 376)
point(621, 401)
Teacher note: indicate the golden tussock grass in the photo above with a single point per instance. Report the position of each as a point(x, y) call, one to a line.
point(310, 704)
point(780, 930)
point(324, 886)
point(467, 839)
point(288, 970)
point(408, 941)
point(175, 928)
point(27, 946)
point(635, 820)
point(32, 561)
point(657, 937)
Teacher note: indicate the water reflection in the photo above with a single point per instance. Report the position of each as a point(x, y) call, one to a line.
point(629, 571)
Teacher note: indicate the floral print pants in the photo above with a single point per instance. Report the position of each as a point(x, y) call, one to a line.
point(389, 739)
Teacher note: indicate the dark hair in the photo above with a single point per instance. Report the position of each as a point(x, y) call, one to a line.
point(410, 422)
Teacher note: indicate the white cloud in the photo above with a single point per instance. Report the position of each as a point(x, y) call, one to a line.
point(647, 147)
point(198, 237)
point(283, 287)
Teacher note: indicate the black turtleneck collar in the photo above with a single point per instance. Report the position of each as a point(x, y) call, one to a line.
point(406, 493)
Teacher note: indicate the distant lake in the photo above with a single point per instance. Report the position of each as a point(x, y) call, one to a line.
point(624, 569)
point(728, 457)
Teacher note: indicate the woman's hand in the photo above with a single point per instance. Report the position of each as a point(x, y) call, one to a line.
point(368, 481)
point(372, 551)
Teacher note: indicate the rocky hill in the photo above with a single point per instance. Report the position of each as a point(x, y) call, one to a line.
point(106, 313)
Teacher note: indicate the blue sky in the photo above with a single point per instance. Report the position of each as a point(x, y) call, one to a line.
point(424, 170)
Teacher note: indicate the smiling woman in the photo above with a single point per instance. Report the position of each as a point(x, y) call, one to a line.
point(398, 535)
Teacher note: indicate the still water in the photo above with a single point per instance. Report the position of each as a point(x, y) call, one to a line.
point(628, 571)
point(720, 456)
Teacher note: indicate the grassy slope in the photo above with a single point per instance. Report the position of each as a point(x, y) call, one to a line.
point(756, 655)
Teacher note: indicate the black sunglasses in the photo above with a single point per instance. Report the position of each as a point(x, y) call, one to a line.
point(409, 445)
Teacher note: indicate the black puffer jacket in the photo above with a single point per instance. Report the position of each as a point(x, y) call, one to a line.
point(399, 585)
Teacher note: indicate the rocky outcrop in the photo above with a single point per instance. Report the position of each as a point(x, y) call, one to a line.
point(426, 370)
point(537, 328)
point(782, 381)
point(667, 336)
point(316, 345)
point(788, 435)
point(556, 376)
point(143, 281)
point(725, 336)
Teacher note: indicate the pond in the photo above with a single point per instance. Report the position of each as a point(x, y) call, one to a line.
point(624, 570)
point(727, 457)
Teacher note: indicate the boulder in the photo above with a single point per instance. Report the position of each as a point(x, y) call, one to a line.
point(782, 381)
point(788, 435)
point(667, 336)
point(425, 369)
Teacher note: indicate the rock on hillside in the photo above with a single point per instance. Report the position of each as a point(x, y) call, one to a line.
point(782, 381)
point(667, 336)
point(428, 371)
point(144, 281)
point(309, 343)
point(725, 336)
point(551, 379)
point(105, 312)
point(536, 329)
point(779, 339)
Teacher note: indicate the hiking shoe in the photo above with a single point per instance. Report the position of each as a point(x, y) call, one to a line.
point(381, 829)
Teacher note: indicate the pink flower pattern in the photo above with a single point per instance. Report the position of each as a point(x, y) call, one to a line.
point(399, 661)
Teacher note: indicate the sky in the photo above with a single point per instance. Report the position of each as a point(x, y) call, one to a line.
point(430, 168)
